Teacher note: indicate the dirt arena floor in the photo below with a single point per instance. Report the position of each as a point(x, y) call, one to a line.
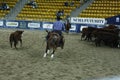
point(79, 60)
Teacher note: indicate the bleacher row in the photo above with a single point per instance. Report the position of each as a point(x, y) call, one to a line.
point(11, 4)
point(102, 9)
point(47, 9)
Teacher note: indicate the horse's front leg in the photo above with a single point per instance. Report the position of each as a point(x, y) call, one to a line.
point(46, 51)
point(20, 42)
point(53, 52)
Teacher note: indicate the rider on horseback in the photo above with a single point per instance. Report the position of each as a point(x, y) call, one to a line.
point(58, 26)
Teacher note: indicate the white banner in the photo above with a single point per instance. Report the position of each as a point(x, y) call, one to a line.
point(98, 21)
point(73, 27)
point(48, 26)
point(34, 25)
point(117, 19)
point(12, 24)
point(1, 23)
point(83, 27)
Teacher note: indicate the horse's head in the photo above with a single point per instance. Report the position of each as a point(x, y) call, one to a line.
point(54, 37)
point(48, 33)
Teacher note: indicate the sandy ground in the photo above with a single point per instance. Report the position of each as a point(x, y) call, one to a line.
point(79, 60)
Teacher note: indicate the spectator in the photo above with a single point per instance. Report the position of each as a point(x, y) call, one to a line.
point(5, 6)
point(60, 13)
point(85, 1)
point(72, 3)
point(66, 3)
point(81, 2)
point(32, 3)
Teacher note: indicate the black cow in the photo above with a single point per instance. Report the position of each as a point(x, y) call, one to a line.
point(108, 38)
point(87, 33)
point(15, 37)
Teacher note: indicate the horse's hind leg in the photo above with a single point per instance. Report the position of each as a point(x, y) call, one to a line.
point(82, 36)
point(62, 43)
point(15, 43)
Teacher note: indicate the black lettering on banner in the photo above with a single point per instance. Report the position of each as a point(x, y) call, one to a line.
point(74, 19)
point(80, 20)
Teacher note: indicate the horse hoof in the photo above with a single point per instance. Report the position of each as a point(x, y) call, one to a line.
point(45, 55)
point(52, 56)
point(48, 51)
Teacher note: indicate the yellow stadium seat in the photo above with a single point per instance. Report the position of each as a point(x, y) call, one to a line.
point(101, 9)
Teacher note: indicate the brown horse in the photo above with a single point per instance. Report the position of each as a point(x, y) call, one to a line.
point(67, 26)
point(15, 37)
point(53, 42)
